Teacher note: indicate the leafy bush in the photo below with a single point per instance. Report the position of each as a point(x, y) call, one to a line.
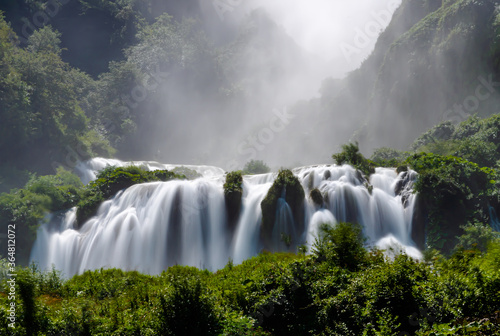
point(477, 150)
point(476, 236)
point(342, 245)
point(440, 132)
point(379, 298)
point(63, 189)
point(272, 294)
point(256, 167)
point(388, 157)
point(350, 155)
point(26, 208)
point(187, 309)
point(454, 191)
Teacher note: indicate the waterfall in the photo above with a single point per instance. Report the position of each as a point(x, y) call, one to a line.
point(149, 227)
point(383, 211)
point(87, 170)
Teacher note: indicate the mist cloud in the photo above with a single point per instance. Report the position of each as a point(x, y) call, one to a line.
point(291, 48)
point(322, 27)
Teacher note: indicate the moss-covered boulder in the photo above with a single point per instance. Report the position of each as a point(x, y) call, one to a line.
point(316, 197)
point(233, 191)
point(287, 185)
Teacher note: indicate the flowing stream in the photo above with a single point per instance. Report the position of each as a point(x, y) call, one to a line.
point(149, 227)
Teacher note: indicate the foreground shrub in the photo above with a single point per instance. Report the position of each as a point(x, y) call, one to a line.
point(380, 298)
point(187, 309)
point(342, 245)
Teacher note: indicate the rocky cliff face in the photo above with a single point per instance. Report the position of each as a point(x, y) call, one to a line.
point(437, 60)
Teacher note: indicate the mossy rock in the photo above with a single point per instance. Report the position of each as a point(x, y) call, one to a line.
point(288, 184)
point(316, 197)
point(233, 192)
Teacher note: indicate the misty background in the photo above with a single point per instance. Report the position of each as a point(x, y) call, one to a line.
point(224, 82)
point(273, 55)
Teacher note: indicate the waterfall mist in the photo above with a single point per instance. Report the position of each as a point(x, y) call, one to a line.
point(274, 58)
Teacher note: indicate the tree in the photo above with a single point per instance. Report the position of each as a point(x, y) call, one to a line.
point(256, 167)
point(45, 40)
point(341, 244)
point(350, 154)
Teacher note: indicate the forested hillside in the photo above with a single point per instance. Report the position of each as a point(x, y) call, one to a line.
point(437, 61)
point(132, 84)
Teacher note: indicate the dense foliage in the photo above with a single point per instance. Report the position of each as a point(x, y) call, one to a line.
point(334, 291)
point(474, 139)
point(256, 167)
point(43, 107)
point(28, 207)
point(350, 155)
point(53, 115)
point(455, 192)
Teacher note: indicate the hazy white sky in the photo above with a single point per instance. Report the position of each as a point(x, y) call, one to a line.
point(340, 31)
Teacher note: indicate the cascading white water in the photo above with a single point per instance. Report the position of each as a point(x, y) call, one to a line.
point(87, 170)
point(151, 226)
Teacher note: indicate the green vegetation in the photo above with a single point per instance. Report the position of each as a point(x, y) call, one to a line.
point(26, 208)
point(233, 191)
point(110, 181)
point(455, 192)
point(474, 139)
point(458, 181)
point(52, 114)
point(256, 167)
point(388, 157)
point(288, 186)
point(43, 107)
point(350, 155)
point(340, 289)
point(341, 245)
